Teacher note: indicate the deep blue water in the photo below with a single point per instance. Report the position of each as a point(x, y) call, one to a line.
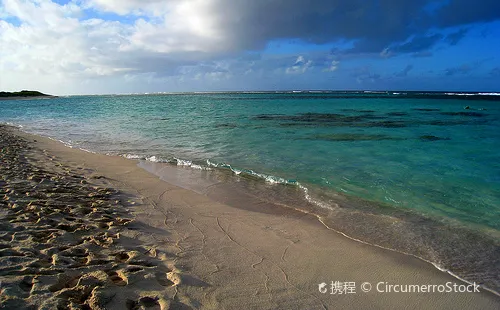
point(422, 161)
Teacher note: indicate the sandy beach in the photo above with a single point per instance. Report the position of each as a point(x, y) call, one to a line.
point(87, 231)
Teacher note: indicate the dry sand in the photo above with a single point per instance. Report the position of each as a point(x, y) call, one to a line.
point(82, 230)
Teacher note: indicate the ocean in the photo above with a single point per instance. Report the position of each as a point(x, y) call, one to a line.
point(415, 172)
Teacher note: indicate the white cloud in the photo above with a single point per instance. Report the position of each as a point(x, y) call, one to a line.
point(300, 66)
point(334, 65)
point(53, 39)
point(186, 26)
point(123, 7)
point(54, 46)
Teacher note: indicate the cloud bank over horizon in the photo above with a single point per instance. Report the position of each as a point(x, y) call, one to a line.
point(124, 46)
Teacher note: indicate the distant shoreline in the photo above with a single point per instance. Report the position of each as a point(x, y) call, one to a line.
point(24, 95)
point(28, 97)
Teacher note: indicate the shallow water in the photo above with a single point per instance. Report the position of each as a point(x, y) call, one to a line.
point(414, 172)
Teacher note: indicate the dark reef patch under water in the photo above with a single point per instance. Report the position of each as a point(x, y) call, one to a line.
point(358, 111)
point(474, 114)
point(397, 114)
point(432, 138)
point(353, 137)
point(367, 120)
point(426, 109)
point(350, 137)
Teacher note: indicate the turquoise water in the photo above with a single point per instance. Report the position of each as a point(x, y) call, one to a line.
point(420, 159)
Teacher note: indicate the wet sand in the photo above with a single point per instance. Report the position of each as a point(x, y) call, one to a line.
point(88, 231)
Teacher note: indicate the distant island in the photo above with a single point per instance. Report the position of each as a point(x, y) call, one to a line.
point(24, 94)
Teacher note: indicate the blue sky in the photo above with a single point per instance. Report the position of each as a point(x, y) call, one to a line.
point(134, 46)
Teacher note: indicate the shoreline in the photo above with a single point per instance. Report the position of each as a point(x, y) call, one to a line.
point(219, 188)
point(203, 228)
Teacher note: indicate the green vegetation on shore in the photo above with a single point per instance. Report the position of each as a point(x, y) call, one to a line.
point(23, 93)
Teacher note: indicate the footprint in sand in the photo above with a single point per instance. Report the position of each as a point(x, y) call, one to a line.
point(121, 257)
point(79, 256)
point(163, 280)
point(78, 295)
point(104, 240)
point(68, 228)
point(45, 262)
point(143, 302)
point(26, 284)
point(65, 281)
point(75, 252)
point(118, 278)
point(43, 236)
point(104, 225)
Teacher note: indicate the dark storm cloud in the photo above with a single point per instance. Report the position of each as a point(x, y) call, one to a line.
point(462, 12)
point(372, 24)
point(417, 44)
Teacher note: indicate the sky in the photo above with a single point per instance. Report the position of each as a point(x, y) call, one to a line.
point(65, 47)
